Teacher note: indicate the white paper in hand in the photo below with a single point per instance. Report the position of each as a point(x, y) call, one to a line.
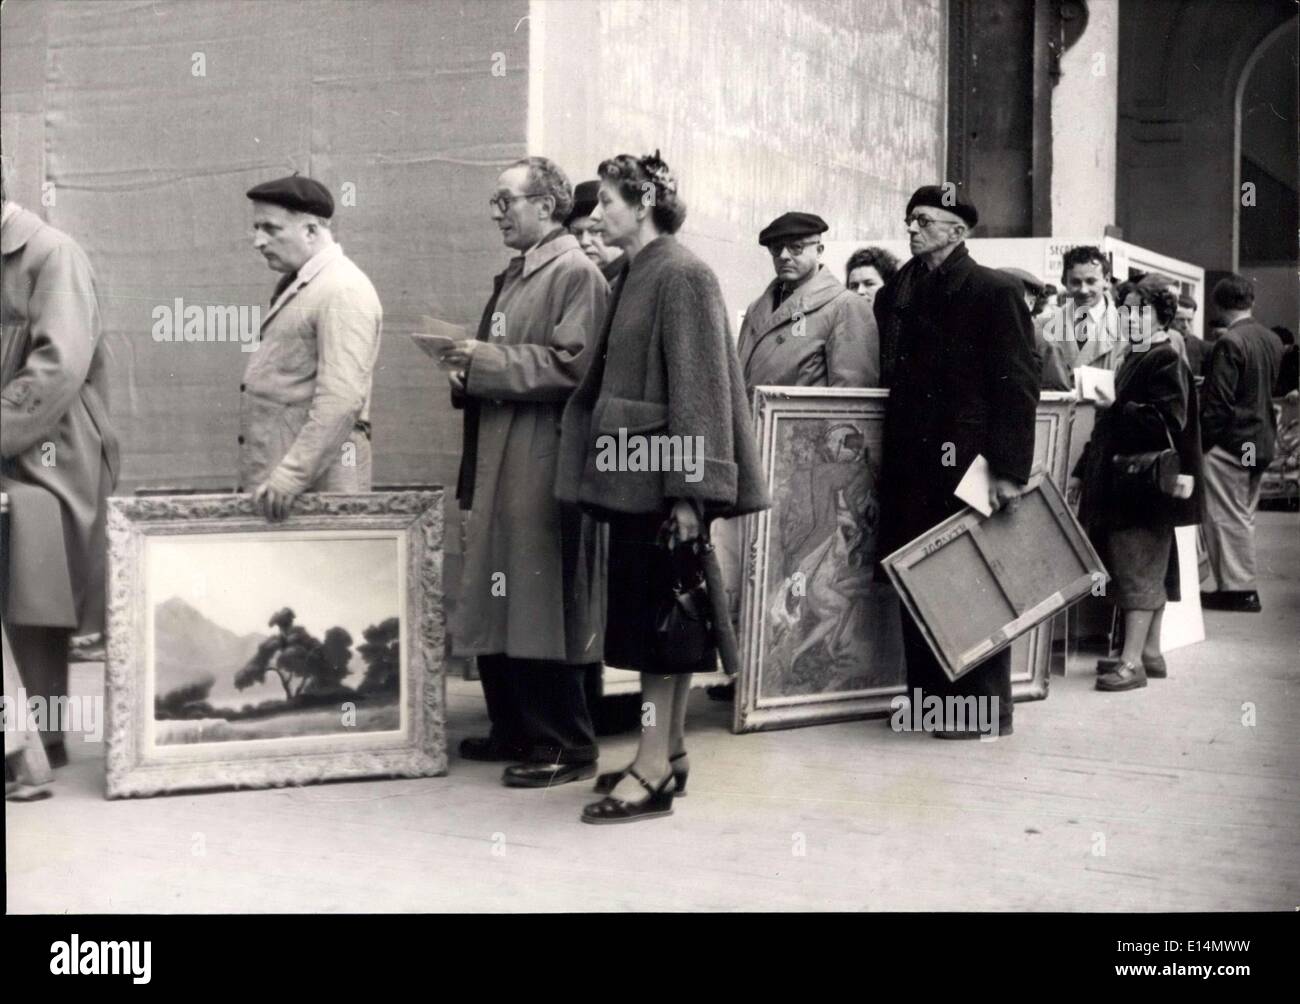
point(1095, 384)
point(436, 337)
point(974, 486)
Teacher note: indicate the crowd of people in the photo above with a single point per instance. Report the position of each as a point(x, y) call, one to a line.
point(605, 327)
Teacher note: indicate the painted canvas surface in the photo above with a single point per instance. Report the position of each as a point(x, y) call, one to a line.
point(268, 638)
point(828, 622)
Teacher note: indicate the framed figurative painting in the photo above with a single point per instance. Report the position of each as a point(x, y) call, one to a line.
point(820, 636)
point(249, 654)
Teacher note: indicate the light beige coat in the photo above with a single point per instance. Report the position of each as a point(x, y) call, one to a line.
point(308, 382)
point(59, 450)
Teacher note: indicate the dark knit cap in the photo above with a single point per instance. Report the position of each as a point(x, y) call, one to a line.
point(949, 198)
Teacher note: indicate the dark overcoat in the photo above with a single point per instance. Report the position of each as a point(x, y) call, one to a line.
point(963, 379)
point(1154, 391)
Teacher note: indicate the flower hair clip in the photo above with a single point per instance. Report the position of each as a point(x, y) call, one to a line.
point(657, 171)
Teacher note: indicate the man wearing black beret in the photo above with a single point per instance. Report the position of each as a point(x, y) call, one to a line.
point(806, 329)
point(305, 400)
point(958, 348)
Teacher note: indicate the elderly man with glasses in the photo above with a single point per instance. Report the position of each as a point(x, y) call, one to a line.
point(531, 605)
point(807, 329)
point(963, 382)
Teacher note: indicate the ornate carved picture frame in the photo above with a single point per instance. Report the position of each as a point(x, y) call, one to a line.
point(820, 637)
point(248, 654)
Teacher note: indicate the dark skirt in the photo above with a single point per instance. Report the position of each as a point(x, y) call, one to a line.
point(1143, 563)
point(641, 578)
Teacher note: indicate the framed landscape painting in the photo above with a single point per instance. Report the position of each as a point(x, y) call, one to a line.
point(820, 637)
point(243, 653)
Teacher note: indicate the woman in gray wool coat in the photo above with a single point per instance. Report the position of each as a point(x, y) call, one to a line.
point(665, 371)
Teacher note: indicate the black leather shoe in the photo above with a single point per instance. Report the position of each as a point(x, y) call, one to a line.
point(1235, 601)
point(1155, 668)
point(487, 749)
point(1125, 676)
point(615, 810)
point(608, 782)
point(1107, 665)
point(546, 775)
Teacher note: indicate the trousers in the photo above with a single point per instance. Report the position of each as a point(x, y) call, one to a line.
point(1231, 499)
point(539, 707)
point(991, 678)
point(41, 654)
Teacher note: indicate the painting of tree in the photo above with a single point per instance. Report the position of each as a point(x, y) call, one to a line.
point(382, 654)
point(301, 662)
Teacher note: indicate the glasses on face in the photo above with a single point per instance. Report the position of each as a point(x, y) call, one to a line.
point(796, 248)
point(502, 203)
point(923, 221)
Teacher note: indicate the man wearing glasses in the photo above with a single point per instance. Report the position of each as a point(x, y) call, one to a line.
point(531, 604)
point(807, 329)
point(958, 348)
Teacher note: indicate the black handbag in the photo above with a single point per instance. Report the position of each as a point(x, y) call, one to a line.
point(1154, 472)
point(684, 623)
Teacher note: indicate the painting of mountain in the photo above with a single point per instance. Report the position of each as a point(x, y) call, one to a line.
point(188, 648)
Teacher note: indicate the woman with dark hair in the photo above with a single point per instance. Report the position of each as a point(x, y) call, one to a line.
point(657, 442)
point(868, 269)
point(1155, 408)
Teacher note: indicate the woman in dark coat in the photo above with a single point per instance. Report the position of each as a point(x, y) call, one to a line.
point(1155, 404)
point(666, 374)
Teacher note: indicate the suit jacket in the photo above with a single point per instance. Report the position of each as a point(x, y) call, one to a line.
point(665, 366)
point(59, 449)
point(308, 382)
point(1103, 345)
point(1237, 398)
point(964, 381)
point(821, 335)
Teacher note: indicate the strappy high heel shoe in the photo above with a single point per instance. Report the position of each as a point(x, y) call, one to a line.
point(607, 782)
point(614, 810)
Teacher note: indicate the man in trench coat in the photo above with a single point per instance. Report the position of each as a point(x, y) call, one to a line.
point(964, 382)
point(59, 452)
point(532, 598)
point(806, 329)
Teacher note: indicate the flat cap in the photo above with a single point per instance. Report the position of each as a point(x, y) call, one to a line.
point(1030, 281)
point(949, 198)
point(296, 192)
point(790, 225)
point(584, 201)
point(1158, 280)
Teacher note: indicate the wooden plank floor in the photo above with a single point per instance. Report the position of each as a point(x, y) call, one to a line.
point(1159, 799)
